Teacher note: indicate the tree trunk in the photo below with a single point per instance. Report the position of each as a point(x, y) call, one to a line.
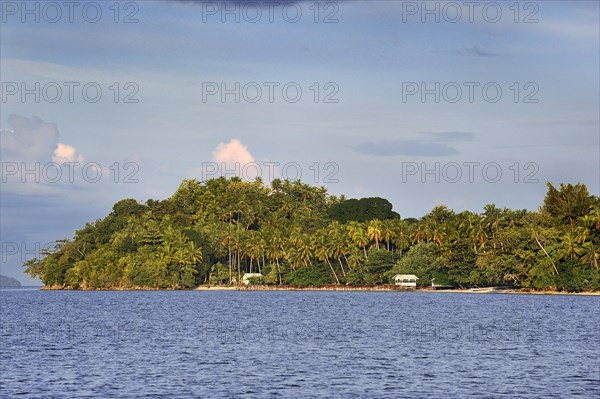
point(278, 269)
point(342, 266)
point(544, 250)
point(239, 271)
point(230, 271)
point(333, 271)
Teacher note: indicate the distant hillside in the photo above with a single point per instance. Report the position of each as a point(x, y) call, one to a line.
point(8, 282)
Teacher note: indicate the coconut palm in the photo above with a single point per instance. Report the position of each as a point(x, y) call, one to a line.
point(387, 232)
point(374, 231)
point(401, 236)
point(275, 248)
point(355, 257)
point(569, 246)
point(194, 253)
point(595, 214)
point(590, 254)
point(535, 236)
point(323, 251)
point(478, 234)
point(338, 239)
point(255, 248)
point(359, 236)
point(438, 236)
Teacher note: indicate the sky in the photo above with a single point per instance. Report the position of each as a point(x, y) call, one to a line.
point(422, 103)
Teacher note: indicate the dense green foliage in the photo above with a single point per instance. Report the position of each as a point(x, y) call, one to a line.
point(362, 210)
point(292, 233)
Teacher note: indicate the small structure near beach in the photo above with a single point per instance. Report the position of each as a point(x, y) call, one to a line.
point(406, 280)
point(249, 278)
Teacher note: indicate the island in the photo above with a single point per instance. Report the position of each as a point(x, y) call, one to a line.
point(8, 282)
point(291, 234)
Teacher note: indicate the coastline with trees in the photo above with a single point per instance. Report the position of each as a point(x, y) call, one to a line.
point(297, 235)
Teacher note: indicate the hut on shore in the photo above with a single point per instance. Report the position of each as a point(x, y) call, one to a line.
point(406, 280)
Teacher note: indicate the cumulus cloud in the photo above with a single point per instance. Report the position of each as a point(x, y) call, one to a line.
point(232, 152)
point(229, 159)
point(33, 140)
point(29, 146)
point(66, 153)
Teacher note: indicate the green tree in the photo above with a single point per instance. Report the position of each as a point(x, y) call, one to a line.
point(568, 202)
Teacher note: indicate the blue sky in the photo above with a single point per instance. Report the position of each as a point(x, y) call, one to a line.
point(367, 143)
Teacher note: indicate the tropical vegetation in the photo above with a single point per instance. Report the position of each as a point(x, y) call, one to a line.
point(296, 234)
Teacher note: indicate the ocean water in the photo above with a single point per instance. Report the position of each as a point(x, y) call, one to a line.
point(230, 344)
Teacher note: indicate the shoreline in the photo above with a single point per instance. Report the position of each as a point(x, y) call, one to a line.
point(377, 288)
point(483, 290)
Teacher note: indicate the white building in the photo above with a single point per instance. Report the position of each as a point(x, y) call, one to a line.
point(406, 280)
point(247, 276)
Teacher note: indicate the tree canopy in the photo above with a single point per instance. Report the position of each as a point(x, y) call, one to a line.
point(293, 233)
point(362, 210)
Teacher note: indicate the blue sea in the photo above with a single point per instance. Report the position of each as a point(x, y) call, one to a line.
point(297, 344)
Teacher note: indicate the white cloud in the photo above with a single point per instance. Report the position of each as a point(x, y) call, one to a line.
point(33, 140)
point(66, 153)
point(232, 152)
point(29, 146)
point(228, 159)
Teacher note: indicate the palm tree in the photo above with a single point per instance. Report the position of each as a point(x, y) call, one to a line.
point(423, 232)
point(387, 231)
point(590, 255)
point(276, 185)
point(323, 251)
point(402, 236)
point(275, 248)
point(595, 214)
point(438, 236)
point(477, 233)
point(288, 206)
point(194, 253)
point(226, 238)
point(581, 234)
point(493, 218)
point(184, 267)
point(304, 250)
point(355, 257)
point(374, 228)
point(132, 230)
point(358, 234)
point(338, 240)
point(569, 247)
point(293, 242)
point(453, 233)
point(255, 248)
point(534, 235)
